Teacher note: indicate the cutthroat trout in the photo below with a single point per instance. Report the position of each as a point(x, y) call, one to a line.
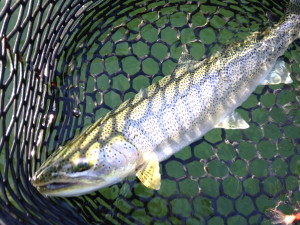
point(170, 114)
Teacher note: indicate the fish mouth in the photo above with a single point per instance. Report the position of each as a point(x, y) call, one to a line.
point(56, 185)
point(62, 189)
point(66, 182)
point(68, 188)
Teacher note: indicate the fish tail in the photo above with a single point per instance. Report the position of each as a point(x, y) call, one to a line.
point(293, 8)
point(292, 17)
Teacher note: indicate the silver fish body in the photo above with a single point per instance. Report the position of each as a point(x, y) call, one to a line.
point(182, 107)
point(167, 116)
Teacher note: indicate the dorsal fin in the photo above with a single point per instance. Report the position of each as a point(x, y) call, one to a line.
point(142, 93)
point(185, 56)
point(186, 63)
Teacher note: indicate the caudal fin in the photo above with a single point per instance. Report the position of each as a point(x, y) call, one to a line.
point(293, 17)
point(293, 7)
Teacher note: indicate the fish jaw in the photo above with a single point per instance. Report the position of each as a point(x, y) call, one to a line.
point(67, 185)
point(72, 171)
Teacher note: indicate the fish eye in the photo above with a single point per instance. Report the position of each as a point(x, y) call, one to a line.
point(81, 166)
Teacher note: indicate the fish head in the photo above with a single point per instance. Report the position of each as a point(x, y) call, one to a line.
point(82, 167)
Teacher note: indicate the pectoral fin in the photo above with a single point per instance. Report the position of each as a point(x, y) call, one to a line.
point(233, 121)
point(279, 74)
point(149, 174)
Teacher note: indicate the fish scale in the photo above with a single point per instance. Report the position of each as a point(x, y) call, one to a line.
point(169, 115)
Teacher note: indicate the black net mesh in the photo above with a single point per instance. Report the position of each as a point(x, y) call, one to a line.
point(64, 64)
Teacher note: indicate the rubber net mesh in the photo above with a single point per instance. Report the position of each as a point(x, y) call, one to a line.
point(64, 64)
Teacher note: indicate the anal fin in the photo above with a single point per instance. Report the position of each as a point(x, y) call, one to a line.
point(233, 121)
point(279, 74)
point(149, 174)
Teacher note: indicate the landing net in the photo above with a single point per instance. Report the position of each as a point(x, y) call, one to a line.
point(64, 64)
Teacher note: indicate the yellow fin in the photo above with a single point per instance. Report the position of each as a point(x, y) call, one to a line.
point(149, 174)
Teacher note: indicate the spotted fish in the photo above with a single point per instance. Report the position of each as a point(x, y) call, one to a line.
point(170, 114)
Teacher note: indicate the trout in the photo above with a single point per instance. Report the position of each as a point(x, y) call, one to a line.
point(170, 114)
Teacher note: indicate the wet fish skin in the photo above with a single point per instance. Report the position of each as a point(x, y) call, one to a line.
point(167, 116)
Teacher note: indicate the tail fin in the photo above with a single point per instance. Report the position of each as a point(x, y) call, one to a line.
point(293, 16)
point(293, 7)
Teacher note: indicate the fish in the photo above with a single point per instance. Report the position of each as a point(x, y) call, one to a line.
point(171, 114)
